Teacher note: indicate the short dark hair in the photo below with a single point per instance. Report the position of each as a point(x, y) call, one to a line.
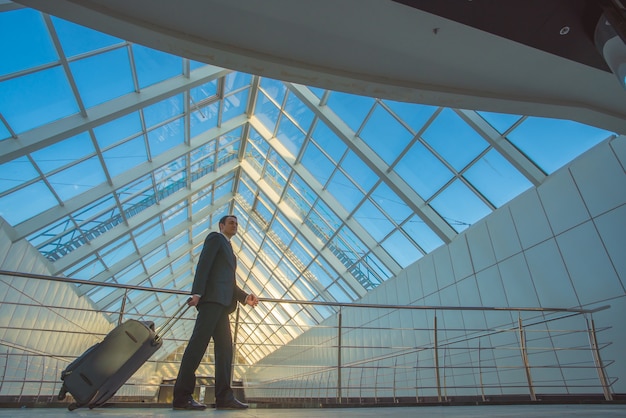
point(223, 219)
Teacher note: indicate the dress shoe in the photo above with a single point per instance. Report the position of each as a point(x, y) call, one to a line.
point(190, 405)
point(230, 404)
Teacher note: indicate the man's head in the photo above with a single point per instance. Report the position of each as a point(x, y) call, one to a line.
point(228, 225)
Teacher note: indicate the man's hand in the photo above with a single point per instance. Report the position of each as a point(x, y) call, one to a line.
point(252, 300)
point(193, 300)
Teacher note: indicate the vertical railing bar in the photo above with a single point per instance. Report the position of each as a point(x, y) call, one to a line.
point(417, 362)
point(361, 386)
point(235, 332)
point(339, 319)
point(445, 369)
point(591, 327)
point(480, 370)
point(376, 382)
point(436, 353)
point(19, 398)
point(524, 351)
point(395, 374)
point(123, 308)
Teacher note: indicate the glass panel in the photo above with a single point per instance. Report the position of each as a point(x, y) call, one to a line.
point(203, 92)
point(454, 139)
point(299, 112)
point(274, 89)
point(163, 110)
point(424, 172)
point(103, 77)
point(78, 179)
point(358, 171)
point(146, 233)
point(421, 233)
point(117, 251)
point(64, 152)
point(236, 80)
point(235, 105)
point(351, 108)
point(344, 191)
point(316, 162)
point(49, 89)
point(414, 115)
point(496, 178)
point(373, 220)
point(329, 142)
point(297, 194)
point(391, 204)
point(15, 173)
point(76, 39)
point(267, 112)
point(201, 200)
point(290, 136)
point(4, 132)
point(203, 119)
point(552, 143)
point(459, 206)
point(154, 66)
point(321, 273)
point(501, 122)
point(385, 135)
point(401, 249)
point(118, 129)
point(125, 156)
point(166, 137)
point(25, 41)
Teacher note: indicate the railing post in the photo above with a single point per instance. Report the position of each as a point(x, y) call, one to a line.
point(436, 354)
point(339, 319)
point(122, 308)
point(480, 371)
point(524, 351)
point(232, 370)
point(604, 381)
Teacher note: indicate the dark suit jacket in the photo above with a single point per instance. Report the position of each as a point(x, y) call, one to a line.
point(215, 280)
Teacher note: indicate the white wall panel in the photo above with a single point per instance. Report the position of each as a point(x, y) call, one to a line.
point(563, 203)
point(503, 234)
point(601, 180)
point(461, 260)
point(427, 273)
point(480, 248)
point(588, 264)
point(611, 227)
point(443, 267)
point(530, 220)
point(550, 277)
point(518, 285)
point(414, 282)
point(490, 287)
point(619, 148)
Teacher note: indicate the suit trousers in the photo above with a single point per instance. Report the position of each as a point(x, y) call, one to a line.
point(211, 322)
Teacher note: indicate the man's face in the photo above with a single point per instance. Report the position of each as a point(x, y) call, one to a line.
point(229, 228)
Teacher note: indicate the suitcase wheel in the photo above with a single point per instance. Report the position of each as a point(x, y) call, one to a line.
point(72, 406)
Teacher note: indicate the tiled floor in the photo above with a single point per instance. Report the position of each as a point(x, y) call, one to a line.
point(495, 411)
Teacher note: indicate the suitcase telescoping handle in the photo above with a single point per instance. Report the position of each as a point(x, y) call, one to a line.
point(164, 329)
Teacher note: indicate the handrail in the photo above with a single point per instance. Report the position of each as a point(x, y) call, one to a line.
point(311, 302)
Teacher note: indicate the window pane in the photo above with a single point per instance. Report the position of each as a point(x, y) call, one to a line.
point(103, 77)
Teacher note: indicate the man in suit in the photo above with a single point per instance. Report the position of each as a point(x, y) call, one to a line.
point(215, 295)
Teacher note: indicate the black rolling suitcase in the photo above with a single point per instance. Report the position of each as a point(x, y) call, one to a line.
point(95, 376)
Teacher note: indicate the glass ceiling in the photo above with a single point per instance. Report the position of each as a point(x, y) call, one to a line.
point(116, 160)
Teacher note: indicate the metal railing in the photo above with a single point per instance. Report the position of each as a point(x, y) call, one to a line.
point(366, 353)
